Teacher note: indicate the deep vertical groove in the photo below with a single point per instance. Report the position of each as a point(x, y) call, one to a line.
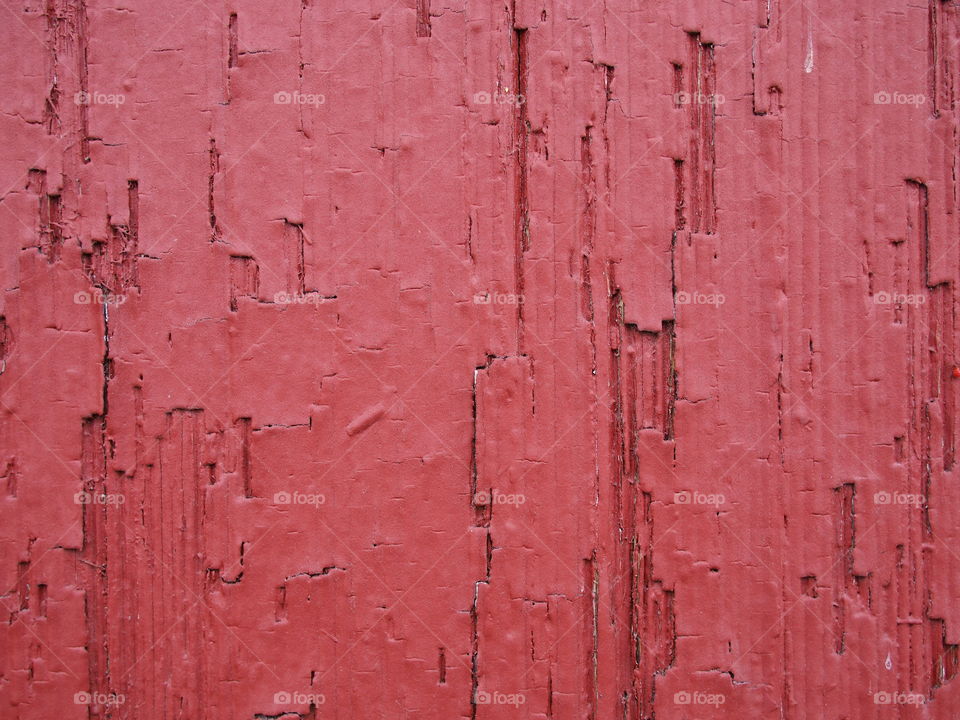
point(83, 75)
point(845, 540)
point(668, 336)
point(94, 554)
point(51, 105)
point(780, 391)
point(521, 129)
point(423, 18)
point(655, 630)
point(214, 170)
point(591, 624)
point(246, 440)
point(701, 98)
point(679, 202)
point(588, 229)
point(474, 650)
point(133, 205)
point(233, 52)
point(294, 242)
point(923, 394)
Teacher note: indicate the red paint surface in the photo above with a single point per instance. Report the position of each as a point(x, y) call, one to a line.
point(431, 359)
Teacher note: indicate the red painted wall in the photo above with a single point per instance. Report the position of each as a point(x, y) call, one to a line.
point(468, 359)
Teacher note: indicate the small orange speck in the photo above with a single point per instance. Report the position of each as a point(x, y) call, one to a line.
point(956, 371)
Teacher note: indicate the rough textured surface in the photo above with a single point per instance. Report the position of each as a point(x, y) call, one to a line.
point(479, 359)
